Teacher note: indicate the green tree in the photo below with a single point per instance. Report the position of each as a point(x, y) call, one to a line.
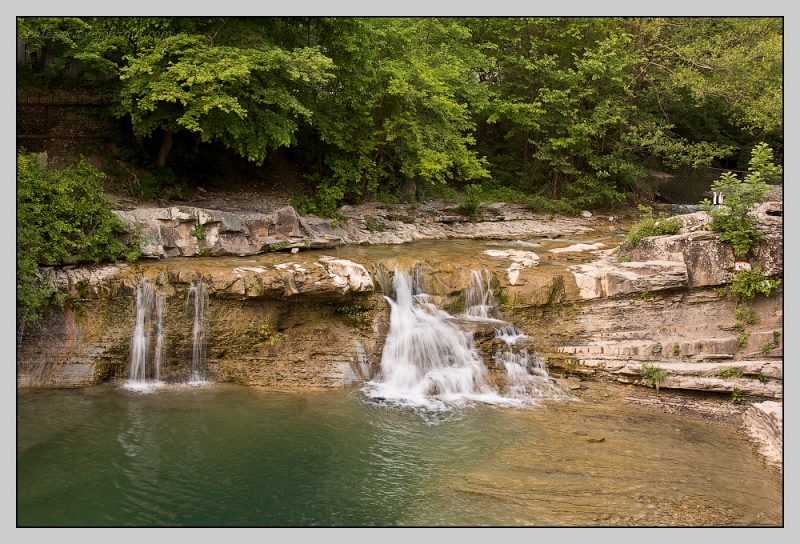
point(576, 102)
point(240, 97)
point(398, 111)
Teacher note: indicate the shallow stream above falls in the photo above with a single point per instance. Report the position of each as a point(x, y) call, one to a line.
point(226, 455)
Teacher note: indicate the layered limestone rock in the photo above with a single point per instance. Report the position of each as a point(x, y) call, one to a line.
point(187, 231)
point(608, 278)
point(316, 319)
point(275, 324)
point(708, 260)
point(764, 424)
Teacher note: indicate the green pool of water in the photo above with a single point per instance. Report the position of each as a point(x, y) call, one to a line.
point(226, 455)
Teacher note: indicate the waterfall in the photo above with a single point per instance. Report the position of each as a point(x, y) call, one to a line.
point(199, 296)
point(384, 278)
point(160, 347)
point(478, 298)
point(147, 303)
point(526, 373)
point(428, 362)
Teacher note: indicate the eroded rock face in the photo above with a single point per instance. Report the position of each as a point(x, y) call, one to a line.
point(764, 424)
point(254, 318)
point(708, 260)
point(605, 278)
point(187, 231)
point(184, 231)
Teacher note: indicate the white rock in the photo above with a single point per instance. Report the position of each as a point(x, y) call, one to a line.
point(578, 247)
point(586, 213)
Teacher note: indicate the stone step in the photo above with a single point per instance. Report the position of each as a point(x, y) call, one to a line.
point(700, 348)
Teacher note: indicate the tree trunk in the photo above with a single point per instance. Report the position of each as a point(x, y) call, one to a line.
point(166, 145)
point(196, 144)
point(138, 139)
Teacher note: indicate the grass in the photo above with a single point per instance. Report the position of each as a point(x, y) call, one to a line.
point(731, 372)
point(648, 225)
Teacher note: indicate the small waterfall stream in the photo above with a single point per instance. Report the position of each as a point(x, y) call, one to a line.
point(428, 362)
point(478, 298)
point(198, 295)
point(148, 302)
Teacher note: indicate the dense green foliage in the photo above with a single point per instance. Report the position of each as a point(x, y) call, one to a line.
point(567, 111)
point(650, 226)
point(747, 284)
point(62, 217)
point(733, 219)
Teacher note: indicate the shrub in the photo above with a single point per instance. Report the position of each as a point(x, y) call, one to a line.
point(733, 218)
point(743, 338)
point(62, 218)
point(747, 284)
point(198, 232)
point(650, 226)
point(730, 372)
point(472, 201)
point(746, 314)
point(277, 246)
point(654, 374)
point(736, 396)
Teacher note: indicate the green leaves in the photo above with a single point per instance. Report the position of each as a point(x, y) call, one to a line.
point(240, 97)
point(733, 219)
point(569, 107)
point(62, 217)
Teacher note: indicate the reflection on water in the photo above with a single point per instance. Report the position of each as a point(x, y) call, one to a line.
point(229, 455)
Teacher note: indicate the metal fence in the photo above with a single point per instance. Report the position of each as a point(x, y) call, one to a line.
point(690, 185)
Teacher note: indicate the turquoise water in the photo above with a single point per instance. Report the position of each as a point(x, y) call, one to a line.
point(226, 455)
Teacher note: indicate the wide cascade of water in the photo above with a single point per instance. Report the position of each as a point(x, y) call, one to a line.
point(428, 362)
point(198, 296)
point(145, 365)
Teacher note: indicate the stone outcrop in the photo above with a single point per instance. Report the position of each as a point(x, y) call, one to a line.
point(608, 278)
point(187, 231)
point(283, 313)
point(184, 231)
point(708, 260)
point(316, 319)
point(764, 424)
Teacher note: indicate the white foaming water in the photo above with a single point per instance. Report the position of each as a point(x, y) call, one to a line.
point(199, 296)
point(429, 363)
point(147, 301)
point(509, 335)
point(526, 374)
point(478, 298)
